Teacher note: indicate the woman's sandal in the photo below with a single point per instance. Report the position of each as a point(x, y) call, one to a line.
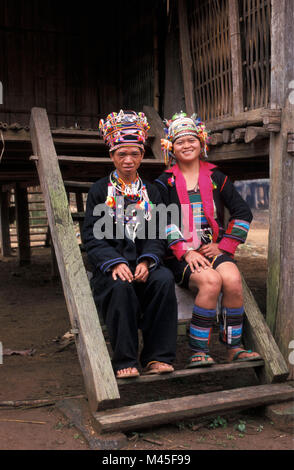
point(204, 362)
point(128, 374)
point(156, 367)
point(243, 359)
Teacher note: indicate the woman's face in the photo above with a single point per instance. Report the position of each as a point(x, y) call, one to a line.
point(187, 148)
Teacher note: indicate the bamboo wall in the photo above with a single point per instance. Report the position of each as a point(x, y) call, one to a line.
point(255, 21)
point(211, 55)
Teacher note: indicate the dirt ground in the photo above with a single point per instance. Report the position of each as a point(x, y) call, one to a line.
point(42, 365)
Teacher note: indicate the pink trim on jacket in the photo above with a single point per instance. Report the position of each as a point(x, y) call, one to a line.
point(206, 192)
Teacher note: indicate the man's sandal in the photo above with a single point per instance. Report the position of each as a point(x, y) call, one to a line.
point(204, 362)
point(243, 359)
point(128, 374)
point(156, 367)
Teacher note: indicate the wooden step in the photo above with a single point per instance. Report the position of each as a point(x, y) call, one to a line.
point(166, 411)
point(181, 374)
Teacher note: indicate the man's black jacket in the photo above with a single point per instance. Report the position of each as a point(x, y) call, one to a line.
point(110, 250)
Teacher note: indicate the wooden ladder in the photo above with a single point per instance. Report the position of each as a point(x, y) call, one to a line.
point(102, 388)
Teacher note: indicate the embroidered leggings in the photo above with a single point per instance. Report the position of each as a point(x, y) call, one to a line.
point(231, 324)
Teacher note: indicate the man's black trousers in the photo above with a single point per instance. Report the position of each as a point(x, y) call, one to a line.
point(150, 306)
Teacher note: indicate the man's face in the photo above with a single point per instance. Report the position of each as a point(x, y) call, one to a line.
point(127, 160)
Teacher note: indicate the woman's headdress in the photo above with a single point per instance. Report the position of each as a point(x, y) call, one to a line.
point(180, 125)
point(126, 128)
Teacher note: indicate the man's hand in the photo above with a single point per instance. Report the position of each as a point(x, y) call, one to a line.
point(142, 271)
point(210, 250)
point(122, 271)
point(196, 261)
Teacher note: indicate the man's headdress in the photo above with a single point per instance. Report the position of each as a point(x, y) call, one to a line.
point(126, 128)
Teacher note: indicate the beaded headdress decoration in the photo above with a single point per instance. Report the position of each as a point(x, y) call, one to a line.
point(180, 125)
point(126, 128)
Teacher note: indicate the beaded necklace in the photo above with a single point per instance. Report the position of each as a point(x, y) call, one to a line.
point(135, 192)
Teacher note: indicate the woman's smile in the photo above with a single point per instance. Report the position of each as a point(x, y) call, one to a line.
point(187, 147)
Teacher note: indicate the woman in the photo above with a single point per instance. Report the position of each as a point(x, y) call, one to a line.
point(202, 250)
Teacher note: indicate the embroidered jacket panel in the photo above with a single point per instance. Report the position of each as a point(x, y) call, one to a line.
point(115, 247)
point(217, 192)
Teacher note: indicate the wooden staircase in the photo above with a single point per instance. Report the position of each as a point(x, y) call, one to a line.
point(101, 385)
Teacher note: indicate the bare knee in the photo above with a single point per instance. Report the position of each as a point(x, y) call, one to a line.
point(232, 283)
point(208, 282)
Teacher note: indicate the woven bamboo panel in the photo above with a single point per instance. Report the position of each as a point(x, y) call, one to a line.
point(210, 48)
point(255, 20)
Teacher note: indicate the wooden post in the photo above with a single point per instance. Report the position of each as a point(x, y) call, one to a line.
point(186, 59)
point(22, 224)
point(100, 382)
point(80, 208)
point(236, 57)
point(280, 298)
point(4, 223)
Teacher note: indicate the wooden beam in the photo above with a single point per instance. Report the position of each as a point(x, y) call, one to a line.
point(95, 362)
point(147, 415)
point(22, 224)
point(248, 118)
point(254, 133)
point(236, 57)
point(4, 223)
point(272, 119)
point(227, 135)
point(238, 134)
point(216, 139)
point(102, 160)
point(238, 151)
point(258, 337)
point(280, 298)
point(186, 58)
point(157, 129)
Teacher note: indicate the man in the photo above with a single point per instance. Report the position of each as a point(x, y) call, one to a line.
point(132, 289)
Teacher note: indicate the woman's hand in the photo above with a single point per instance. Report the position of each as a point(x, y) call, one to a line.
point(210, 250)
point(142, 271)
point(122, 271)
point(196, 261)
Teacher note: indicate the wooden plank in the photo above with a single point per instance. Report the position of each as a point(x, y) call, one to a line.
point(80, 159)
point(4, 223)
point(280, 298)
point(22, 224)
point(247, 118)
point(95, 362)
point(238, 151)
point(236, 57)
point(166, 411)
point(157, 129)
point(186, 373)
point(186, 59)
point(258, 337)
